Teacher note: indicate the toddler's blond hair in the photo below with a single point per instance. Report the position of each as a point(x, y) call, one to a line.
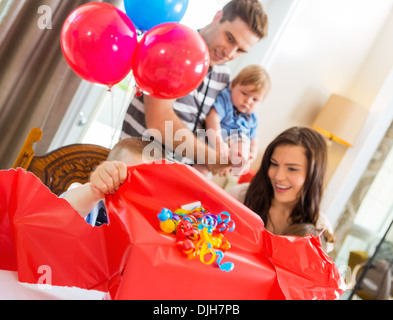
point(253, 75)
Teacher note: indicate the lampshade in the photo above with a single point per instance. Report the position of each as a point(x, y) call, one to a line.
point(341, 120)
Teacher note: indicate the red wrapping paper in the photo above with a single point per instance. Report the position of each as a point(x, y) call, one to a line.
point(39, 229)
point(132, 258)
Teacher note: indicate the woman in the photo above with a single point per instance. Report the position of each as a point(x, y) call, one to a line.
point(288, 187)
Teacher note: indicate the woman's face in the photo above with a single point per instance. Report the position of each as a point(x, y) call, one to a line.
point(287, 173)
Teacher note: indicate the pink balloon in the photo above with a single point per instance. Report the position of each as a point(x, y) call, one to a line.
point(170, 61)
point(98, 42)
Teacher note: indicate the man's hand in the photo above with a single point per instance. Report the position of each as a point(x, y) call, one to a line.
point(240, 157)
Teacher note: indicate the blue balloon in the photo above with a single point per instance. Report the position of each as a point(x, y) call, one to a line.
point(148, 14)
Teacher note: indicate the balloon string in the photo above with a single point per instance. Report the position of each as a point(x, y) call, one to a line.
point(112, 131)
point(123, 109)
point(124, 97)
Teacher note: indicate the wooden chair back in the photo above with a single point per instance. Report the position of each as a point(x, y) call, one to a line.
point(60, 168)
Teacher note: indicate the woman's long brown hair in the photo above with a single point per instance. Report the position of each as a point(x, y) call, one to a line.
point(260, 191)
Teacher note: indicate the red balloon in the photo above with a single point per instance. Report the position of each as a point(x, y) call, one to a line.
point(98, 42)
point(170, 61)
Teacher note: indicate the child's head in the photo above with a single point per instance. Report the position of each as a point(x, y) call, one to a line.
point(305, 229)
point(134, 151)
point(302, 230)
point(250, 88)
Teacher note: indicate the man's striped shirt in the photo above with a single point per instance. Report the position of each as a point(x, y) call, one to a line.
point(186, 108)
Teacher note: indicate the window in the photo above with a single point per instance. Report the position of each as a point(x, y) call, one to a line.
point(5, 6)
point(375, 212)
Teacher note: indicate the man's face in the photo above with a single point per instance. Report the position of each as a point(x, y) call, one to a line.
point(228, 40)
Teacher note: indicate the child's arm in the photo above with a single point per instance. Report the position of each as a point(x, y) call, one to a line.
point(105, 179)
point(253, 148)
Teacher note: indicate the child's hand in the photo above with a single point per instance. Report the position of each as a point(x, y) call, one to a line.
point(108, 177)
point(223, 149)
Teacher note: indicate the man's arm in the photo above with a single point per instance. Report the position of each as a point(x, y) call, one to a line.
point(213, 122)
point(158, 112)
point(214, 134)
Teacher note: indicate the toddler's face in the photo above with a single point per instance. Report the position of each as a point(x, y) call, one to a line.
point(245, 99)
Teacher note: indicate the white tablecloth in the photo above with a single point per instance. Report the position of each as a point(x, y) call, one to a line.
point(12, 289)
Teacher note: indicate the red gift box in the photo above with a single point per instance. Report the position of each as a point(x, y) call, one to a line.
point(131, 258)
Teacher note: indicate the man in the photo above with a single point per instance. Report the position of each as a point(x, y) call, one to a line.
point(233, 31)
